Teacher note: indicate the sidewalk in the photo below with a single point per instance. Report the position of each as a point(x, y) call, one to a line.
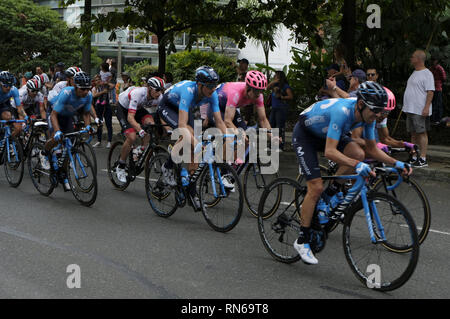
point(438, 157)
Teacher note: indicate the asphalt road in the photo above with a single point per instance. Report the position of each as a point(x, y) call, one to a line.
point(123, 250)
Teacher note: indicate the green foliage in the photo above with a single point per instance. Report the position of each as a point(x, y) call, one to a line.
point(139, 70)
point(34, 35)
point(183, 64)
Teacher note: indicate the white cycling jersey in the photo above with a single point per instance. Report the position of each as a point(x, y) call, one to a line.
point(134, 98)
point(25, 100)
point(57, 89)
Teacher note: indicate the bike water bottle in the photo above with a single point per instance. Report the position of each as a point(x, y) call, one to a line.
point(336, 199)
point(322, 211)
point(62, 157)
point(184, 177)
point(136, 153)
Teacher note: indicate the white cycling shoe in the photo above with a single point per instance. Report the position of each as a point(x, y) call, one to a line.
point(227, 183)
point(45, 163)
point(168, 176)
point(121, 174)
point(305, 253)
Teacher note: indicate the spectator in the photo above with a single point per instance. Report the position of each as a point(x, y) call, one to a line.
point(59, 72)
point(39, 70)
point(281, 95)
point(439, 77)
point(242, 69)
point(358, 76)
point(27, 76)
point(372, 75)
point(417, 105)
point(103, 109)
point(168, 78)
point(341, 82)
point(51, 74)
point(113, 81)
point(126, 82)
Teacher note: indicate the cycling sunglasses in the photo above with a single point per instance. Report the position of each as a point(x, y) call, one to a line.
point(210, 85)
point(6, 85)
point(257, 91)
point(374, 109)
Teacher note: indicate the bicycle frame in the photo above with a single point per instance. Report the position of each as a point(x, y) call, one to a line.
point(5, 140)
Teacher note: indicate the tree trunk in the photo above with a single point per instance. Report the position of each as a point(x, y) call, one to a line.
point(86, 52)
point(161, 53)
point(348, 25)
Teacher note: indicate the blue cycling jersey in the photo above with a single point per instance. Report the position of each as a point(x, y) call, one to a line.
point(68, 103)
point(13, 93)
point(185, 95)
point(334, 118)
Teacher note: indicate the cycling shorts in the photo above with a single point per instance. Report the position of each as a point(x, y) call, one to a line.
point(168, 112)
point(65, 124)
point(306, 145)
point(122, 115)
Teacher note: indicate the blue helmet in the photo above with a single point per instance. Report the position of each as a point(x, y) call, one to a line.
point(7, 78)
point(82, 80)
point(206, 75)
point(373, 95)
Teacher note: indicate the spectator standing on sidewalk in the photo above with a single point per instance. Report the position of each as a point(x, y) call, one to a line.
point(103, 109)
point(242, 70)
point(417, 105)
point(439, 78)
point(281, 95)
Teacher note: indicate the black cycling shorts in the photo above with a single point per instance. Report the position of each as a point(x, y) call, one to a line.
point(168, 112)
point(306, 145)
point(122, 116)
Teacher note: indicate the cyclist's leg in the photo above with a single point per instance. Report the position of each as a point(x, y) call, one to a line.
point(350, 149)
point(130, 134)
point(144, 117)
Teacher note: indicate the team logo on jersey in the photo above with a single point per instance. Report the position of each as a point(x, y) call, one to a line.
point(191, 90)
point(346, 111)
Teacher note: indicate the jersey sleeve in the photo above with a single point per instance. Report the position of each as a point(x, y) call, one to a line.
point(61, 100)
point(214, 100)
point(185, 101)
point(369, 131)
point(87, 107)
point(15, 96)
point(337, 123)
point(134, 101)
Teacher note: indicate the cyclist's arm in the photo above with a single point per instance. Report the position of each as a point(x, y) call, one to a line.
point(132, 120)
point(54, 120)
point(87, 118)
point(42, 111)
point(220, 123)
point(21, 112)
point(357, 137)
point(230, 112)
point(372, 151)
point(385, 138)
point(262, 118)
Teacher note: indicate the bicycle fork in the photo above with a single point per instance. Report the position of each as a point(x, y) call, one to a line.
point(368, 208)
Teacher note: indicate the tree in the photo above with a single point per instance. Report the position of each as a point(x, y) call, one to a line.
point(165, 18)
point(34, 35)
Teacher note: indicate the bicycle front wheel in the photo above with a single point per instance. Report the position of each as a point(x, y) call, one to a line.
point(376, 264)
point(13, 160)
point(42, 178)
point(226, 213)
point(82, 178)
point(414, 199)
point(113, 162)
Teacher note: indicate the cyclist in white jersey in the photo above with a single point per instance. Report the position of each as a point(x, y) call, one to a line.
point(132, 113)
point(31, 100)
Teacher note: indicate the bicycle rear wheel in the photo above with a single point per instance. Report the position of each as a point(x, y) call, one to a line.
point(226, 213)
point(42, 179)
point(414, 199)
point(375, 264)
point(255, 182)
point(113, 162)
point(279, 230)
point(82, 178)
point(14, 165)
point(161, 197)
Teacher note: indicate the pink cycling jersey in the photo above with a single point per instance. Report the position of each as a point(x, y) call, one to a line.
point(236, 96)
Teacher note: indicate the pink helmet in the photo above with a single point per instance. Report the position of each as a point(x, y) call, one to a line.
point(391, 100)
point(256, 79)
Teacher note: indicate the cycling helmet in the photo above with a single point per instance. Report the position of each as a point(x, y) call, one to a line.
point(156, 83)
point(373, 95)
point(42, 77)
point(7, 78)
point(82, 80)
point(391, 100)
point(70, 72)
point(256, 79)
point(206, 75)
point(34, 84)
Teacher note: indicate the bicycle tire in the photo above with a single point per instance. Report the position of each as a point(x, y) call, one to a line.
point(84, 169)
point(15, 165)
point(406, 232)
point(156, 190)
point(279, 231)
point(37, 173)
point(113, 160)
point(218, 218)
point(422, 217)
point(88, 149)
point(255, 170)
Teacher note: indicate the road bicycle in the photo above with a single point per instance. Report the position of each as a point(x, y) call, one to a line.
point(67, 161)
point(376, 227)
point(164, 199)
point(11, 153)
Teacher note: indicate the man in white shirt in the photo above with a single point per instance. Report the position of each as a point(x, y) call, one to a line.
point(417, 105)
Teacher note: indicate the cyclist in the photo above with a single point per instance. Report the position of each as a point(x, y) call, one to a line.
point(180, 107)
point(325, 125)
point(132, 113)
point(69, 74)
point(9, 91)
point(382, 132)
point(69, 101)
point(46, 86)
point(31, 100)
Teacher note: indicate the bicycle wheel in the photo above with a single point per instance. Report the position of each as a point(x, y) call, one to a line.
point(90, 153)
point(42, 179)
point(225, 215)
point(113, 161)
point(254, 184)
point(278, 231)
point(82, 178)
point(376, 265)
point(414, 199)
point(158, 192)
point(14, 164)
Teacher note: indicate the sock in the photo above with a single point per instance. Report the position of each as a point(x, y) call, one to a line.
point(304, 236)
point(122, 164)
